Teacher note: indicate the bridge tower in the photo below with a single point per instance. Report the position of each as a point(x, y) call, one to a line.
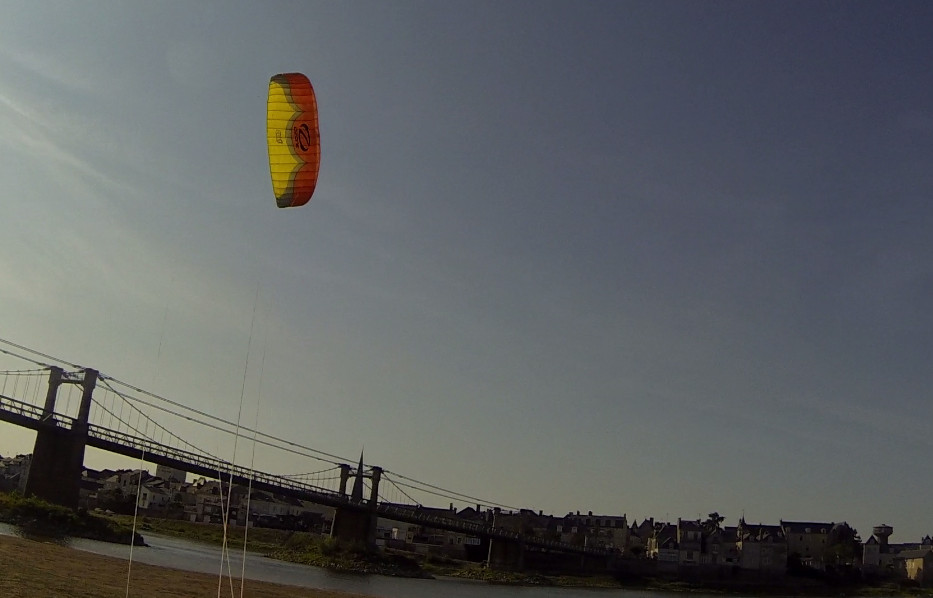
point(356, 521)
point(58, 455)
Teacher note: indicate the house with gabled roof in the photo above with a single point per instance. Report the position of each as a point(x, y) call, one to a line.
point(871, 553)
point(638, 535)
point(154, 495)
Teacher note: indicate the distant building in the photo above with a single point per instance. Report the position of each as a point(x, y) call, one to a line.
point(604, 531)
point(170, 474)
point(153, 496)
point(762, 548)
point(689, 541)
point(662, 544)
point(721, 547)
point(918, 565)
point(638, 535)
point(808, 540)
point(871, 554)
point(882, 556)
point(13, 473)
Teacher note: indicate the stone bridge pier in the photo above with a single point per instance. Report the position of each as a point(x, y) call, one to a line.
point(506, 555)
point(58, 455)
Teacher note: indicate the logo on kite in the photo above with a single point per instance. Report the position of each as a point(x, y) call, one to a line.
point(292, 114)
point(302, 136)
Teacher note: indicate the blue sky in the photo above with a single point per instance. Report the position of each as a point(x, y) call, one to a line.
point(654, 258)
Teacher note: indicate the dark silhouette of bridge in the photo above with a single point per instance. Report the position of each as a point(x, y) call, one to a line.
point(81, 408)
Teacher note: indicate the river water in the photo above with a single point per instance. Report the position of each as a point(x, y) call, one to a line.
point(190, 556)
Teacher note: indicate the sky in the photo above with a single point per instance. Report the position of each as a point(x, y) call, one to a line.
point(654, 258)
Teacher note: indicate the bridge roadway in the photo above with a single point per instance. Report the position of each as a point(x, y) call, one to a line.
point(30, 416)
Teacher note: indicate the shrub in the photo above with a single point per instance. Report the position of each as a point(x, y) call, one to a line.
point(330, 547)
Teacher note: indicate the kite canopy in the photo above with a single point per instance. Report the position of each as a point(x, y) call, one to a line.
point(294, 139)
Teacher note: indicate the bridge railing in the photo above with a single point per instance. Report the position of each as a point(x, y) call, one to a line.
point(33, 412)
point(223, 468)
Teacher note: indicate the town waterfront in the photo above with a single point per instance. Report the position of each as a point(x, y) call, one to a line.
point(190, 556)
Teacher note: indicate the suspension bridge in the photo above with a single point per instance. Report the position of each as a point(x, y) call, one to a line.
point(72, 407)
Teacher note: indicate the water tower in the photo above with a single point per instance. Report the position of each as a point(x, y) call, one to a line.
point(882, 532)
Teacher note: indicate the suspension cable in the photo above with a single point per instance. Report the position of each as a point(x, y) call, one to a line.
point(159, 426)
point(34, 352)
point(339, 460)
point(405, 494)
point(23, 372)
point(449, 493)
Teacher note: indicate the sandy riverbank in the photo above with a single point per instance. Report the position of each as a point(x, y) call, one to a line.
point(31, 569)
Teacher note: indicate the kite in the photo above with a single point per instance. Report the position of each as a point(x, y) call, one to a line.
point(294, 139)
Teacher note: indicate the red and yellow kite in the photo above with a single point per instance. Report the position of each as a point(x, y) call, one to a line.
point(294, 139)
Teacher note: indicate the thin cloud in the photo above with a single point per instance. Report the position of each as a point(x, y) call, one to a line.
point(30, 132)
point(70, 77)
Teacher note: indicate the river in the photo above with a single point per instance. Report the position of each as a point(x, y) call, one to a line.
point(165, 551)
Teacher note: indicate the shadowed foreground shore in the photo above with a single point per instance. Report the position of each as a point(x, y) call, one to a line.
point(31, 569)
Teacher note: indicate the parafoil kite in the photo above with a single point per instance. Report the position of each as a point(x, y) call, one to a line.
point(294, 139)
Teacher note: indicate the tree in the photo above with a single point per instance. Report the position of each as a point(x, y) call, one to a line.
point(843, 547)
point(116, 501)
point(713, 522)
